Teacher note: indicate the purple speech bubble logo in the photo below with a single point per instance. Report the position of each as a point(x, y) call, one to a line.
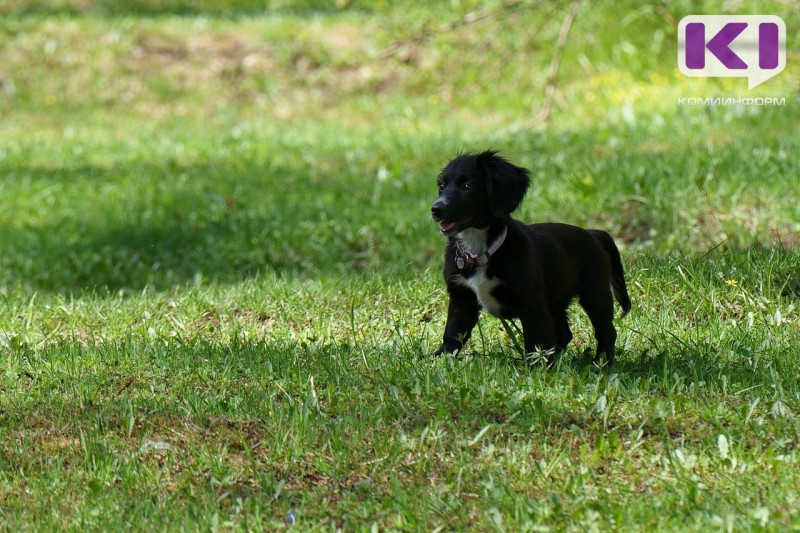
point(751, 46)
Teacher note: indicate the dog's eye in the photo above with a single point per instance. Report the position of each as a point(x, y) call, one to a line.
point(467, 187)
point(440, 185)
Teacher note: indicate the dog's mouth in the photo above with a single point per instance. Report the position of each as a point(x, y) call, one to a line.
point(448, 228)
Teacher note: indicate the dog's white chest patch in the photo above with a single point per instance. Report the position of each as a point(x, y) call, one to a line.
point(483, 286)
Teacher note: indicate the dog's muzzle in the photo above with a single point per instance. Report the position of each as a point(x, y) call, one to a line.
point(447, 227)
point(437, 209)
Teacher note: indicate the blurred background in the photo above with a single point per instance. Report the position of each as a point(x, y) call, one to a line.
point(165, 142)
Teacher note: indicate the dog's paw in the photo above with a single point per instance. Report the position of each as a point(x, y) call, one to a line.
point(601, 362)
point(442, 350)
point(604, 358)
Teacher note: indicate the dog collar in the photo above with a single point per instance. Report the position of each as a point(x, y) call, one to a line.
point(465, 257)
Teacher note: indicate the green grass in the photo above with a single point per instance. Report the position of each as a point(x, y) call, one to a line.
point(218, 273)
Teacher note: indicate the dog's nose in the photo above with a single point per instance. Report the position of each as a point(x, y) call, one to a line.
point(437, 209)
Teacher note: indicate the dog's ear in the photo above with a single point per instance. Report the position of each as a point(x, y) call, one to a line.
point(505, 183)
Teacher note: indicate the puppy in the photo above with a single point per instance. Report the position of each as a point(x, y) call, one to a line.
point(530, 272)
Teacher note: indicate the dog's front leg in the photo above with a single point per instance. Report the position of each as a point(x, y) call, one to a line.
point(462, 315)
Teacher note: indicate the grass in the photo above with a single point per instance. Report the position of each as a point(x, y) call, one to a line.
point(218, 275)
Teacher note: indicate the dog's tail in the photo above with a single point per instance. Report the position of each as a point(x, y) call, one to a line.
point(617, 273)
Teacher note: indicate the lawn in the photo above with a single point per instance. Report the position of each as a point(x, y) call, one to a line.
point(219, 278)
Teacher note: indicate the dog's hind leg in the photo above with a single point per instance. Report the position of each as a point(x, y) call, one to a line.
point(617, 272)
point(563, 331)
point(600, 308)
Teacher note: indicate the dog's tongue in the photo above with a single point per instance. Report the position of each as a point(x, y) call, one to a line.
point(446, 226)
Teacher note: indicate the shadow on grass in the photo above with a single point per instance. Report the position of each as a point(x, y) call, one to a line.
point(142, 224)
point(129, 227)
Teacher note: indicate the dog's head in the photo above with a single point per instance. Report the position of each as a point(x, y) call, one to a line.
point(474, 189)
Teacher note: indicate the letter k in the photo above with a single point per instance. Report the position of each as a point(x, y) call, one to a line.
point(719, 45)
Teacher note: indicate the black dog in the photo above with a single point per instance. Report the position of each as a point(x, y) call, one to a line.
point(531, 272)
